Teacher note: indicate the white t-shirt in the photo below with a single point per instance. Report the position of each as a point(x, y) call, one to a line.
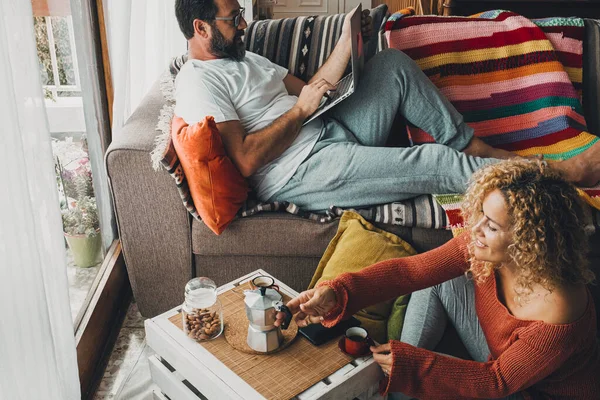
point(251, 91)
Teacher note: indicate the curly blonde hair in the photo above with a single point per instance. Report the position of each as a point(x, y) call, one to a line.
point(549, 245)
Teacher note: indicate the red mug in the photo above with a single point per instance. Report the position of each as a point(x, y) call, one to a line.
point(357, 341)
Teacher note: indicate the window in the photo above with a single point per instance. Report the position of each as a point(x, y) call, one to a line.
point(58, 60)
point(61, 84)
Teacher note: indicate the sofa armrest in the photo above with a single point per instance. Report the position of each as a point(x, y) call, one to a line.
point(154, 226)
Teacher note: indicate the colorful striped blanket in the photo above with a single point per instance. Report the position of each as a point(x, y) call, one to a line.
point(517, 82)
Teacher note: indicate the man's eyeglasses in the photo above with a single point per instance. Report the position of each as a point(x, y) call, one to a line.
point(236, 18)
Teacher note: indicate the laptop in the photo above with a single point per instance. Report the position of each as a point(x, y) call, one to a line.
point(345, 87)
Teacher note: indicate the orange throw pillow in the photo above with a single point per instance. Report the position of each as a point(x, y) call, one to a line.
point(216, 186)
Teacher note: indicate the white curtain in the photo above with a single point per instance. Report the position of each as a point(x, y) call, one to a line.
point(37, 344)
point(143, 36)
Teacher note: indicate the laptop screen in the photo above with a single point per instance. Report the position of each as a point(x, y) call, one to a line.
point(357, 58)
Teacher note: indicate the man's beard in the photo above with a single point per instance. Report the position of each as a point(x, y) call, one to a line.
point(222, 48)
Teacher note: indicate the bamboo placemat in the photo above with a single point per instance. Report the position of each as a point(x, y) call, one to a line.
point(236, 333)
point(276, 376)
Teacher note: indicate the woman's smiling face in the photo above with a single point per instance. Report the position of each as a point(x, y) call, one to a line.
point(493, 231)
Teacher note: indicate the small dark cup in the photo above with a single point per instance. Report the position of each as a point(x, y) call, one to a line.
point(263, 283)
point(357, 341)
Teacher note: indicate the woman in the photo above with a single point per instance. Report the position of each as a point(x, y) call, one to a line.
point(513, 285)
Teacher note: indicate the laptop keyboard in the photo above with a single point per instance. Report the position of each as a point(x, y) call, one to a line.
point(341, 91)
point(342, 87)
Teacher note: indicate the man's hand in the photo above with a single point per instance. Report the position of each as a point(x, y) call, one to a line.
point(311, 96)
point(366, 25)
point(334, 67)
point(310, 306)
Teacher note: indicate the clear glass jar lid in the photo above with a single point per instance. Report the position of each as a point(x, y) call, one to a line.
point(201, 292)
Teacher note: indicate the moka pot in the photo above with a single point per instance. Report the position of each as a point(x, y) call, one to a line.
point(263, 335)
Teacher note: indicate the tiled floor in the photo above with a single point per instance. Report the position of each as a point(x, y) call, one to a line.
point(127, 375)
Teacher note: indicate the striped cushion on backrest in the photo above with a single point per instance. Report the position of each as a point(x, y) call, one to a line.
point(300, 44)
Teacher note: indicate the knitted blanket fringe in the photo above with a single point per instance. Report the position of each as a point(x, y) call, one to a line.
point(163, 126)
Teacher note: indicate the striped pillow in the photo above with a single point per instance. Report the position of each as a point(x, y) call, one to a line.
point(171, 163)
point(300, 44)
point(303, 44)
point(516, 82)
point(504, 74)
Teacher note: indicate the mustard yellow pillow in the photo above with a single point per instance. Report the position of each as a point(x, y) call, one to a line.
point(358, 244)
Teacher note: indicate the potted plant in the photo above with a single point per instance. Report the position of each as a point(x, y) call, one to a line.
point(81, 228)
point(78, 204)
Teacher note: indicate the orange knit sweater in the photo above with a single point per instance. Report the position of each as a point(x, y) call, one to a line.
point(541, 360)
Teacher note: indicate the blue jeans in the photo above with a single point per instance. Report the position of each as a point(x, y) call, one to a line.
point(350, 167)
point(429, 311)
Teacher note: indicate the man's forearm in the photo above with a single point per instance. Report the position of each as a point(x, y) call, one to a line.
point(268, 143)
point(334, 67)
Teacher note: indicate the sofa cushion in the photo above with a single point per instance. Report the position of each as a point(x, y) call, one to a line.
point(356, 245)
point(300, 44)
point(303, 44)
point(270, 234)
point(216, 187)
point(514, 80)
point(395, 320)
point(170, 161)
point(292, 236)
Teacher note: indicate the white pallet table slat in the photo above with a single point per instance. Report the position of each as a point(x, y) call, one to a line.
point(188, 363)
point(205, 360)
point(312, 391)
point(169, 382)
point(158, 395)
point(355, 382)
point(340, 374)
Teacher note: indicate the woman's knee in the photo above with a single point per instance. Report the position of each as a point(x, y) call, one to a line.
point(458, 287)
point(456, 292)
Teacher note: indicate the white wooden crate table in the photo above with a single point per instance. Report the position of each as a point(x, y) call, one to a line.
point(185, 370)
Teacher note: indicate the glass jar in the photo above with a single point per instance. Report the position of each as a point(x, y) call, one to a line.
point(202, 314)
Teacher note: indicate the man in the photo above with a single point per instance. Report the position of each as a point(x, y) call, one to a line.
point(339, 159)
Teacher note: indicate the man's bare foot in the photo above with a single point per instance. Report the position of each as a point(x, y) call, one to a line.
point(583, 169)
point(478, 148)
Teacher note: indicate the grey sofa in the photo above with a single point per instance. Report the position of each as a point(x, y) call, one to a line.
point(164, 247)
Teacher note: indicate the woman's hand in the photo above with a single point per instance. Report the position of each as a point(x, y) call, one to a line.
point(310, 306)
point(382, 355)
